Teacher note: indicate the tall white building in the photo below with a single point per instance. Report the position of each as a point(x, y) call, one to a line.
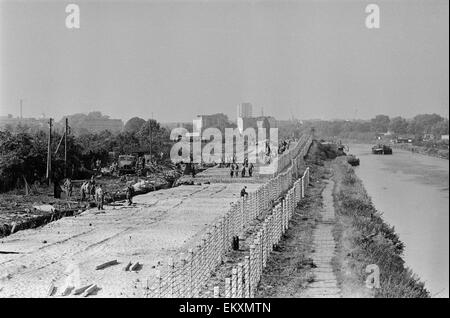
point(244, 110)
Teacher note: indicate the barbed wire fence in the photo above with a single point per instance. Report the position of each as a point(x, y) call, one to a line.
point(185, 274)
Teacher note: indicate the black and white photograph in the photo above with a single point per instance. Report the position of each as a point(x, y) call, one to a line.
point(236, 150)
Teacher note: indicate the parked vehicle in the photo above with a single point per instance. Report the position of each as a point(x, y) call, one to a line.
point(127, 164)
point(381, 150)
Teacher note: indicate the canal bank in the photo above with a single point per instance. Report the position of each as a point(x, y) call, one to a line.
point(411, 190)
point(334, 235)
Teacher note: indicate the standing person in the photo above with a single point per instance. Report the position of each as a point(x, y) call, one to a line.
point(56, 188)
point(231, 170)
point(250, 170)
point(243, 171)
point(129, 194)
point(84, 190)
point(244, 193)
point(99, 196)
point(193, 170)
point(92, 187)
point(68, 187)
point(98, 165)
point(92, 192)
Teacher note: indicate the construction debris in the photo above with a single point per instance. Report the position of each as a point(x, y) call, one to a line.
point(13, 228)
point(44, 207)
point(136, 267)
point(81, 290)
point(67, 291)
point(52, 290)
point(107, 264)
point(127, 268)
point(30, 211)
point(9, 252)
point(91, 290)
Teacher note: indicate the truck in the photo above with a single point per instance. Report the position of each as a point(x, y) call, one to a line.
point(127, 164)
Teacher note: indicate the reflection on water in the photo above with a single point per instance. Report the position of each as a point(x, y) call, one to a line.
point(412, 192)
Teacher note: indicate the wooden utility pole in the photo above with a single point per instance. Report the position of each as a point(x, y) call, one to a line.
point(65, 146)
point(49, 153)
point(151, 138)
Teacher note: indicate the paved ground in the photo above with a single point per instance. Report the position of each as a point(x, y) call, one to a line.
point(156, 227)
point(325, 282)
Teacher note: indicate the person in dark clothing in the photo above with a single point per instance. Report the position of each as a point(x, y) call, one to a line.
point(56, 189)
point(231, 170)
point(129, 194)
point(244, 193)
point(250, 170)
point(193, 170)
point(92, 187)
point(243, 172)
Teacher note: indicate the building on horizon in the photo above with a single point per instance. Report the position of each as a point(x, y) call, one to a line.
point(93, 122)
point(12, 123)
point(244, 110)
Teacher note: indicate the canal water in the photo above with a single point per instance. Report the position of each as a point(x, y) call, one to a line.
point(412, 192)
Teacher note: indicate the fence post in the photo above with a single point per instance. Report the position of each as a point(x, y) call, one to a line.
point(241, 216)
point(204, 264)
point(252, 269)
point(234, 282)
point(240, 286)
point(227, 287)
point(216, 292)
point(264, 243)
point(247, 277)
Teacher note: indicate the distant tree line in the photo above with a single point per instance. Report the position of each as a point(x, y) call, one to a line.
point(417, 126)
point(23, 154)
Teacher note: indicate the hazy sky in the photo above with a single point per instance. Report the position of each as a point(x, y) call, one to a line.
point(177, 59)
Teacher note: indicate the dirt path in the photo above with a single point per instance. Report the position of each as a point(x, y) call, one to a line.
point(303, 265)
point(324, 247)
point(289, 266)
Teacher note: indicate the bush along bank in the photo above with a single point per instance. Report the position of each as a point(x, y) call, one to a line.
point(428, 150)
point(366, 239)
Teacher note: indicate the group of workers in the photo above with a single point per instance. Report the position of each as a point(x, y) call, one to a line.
point(90, 189)
point(234, 169)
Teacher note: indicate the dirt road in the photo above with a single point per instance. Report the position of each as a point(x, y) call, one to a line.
point(156, 227)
